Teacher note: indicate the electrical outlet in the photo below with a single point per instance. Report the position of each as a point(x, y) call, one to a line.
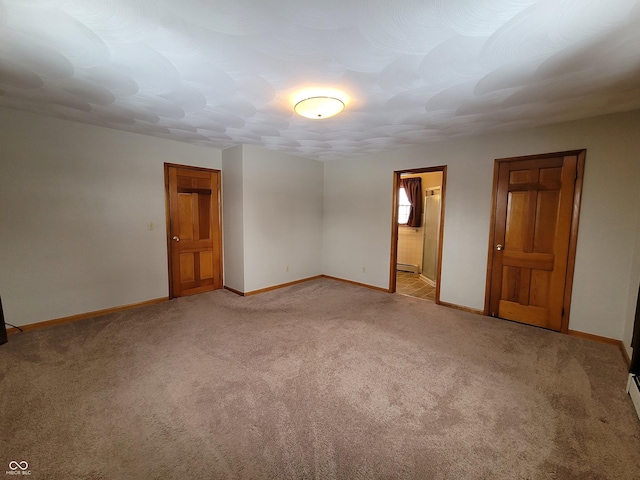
point(286, 268)
point(364, 269)
point(151, 226)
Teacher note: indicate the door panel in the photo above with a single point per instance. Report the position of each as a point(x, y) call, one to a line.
point(187, 268)
point(206, 265)
point(534, 208)
point(195, 237)
point(515, 229)
point(539, 287)
point(546, 221)
point(185, 217)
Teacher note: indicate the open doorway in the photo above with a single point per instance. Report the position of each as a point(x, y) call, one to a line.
point(418, 221)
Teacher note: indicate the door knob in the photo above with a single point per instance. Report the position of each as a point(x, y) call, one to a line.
point(499, 247)
point(176, 238)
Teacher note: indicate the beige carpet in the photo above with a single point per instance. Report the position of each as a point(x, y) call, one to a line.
point(321, 380)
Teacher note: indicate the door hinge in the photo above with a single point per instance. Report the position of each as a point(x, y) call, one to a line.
point(563, 311)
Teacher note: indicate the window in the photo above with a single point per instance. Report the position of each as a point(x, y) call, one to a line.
point(404, 206)
point(410, 201)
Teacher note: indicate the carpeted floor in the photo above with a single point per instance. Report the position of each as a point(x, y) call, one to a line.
point(320, 380)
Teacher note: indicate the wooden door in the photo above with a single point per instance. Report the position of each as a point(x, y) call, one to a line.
point(431, 233)
point(194, 230)
point(534, 234)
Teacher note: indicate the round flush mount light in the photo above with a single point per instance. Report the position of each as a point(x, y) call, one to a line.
point(319, 107)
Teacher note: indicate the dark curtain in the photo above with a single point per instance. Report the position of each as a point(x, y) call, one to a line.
point(413, 189)
point(635, 342)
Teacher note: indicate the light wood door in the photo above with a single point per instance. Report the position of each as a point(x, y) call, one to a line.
point(195, 236)
point(535, 225)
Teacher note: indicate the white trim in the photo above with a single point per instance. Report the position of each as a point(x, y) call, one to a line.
point(407, 267)
point(428, 281)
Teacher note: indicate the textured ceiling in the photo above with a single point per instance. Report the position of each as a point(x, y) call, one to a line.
point(225, 72)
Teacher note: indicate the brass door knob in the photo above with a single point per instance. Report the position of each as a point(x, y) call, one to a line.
point(176, 238)
point(499, 247)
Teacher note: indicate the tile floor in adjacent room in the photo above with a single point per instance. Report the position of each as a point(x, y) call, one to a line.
point(411, 284)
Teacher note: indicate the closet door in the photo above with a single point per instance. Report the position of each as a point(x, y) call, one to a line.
point(195, 232)
point(534, 211)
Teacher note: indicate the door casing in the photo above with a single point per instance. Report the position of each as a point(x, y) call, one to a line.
point(573, 235)
point(394, 224)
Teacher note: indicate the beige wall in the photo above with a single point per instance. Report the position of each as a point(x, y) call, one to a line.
point(282, 197)
point(410, 245)
point(357, 221)
point(233, 218)
point(272, 216)
point(634, 284)
point(75, 204)
point(76, 201)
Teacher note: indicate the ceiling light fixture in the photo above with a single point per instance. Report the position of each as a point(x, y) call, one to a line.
point(319, 107)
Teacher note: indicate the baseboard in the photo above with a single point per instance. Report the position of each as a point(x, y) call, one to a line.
point(407, 267)
point(344, 280)
point(379, 289)
point(233, 290)
point(461, 308)
point(83, 316)
point(428, 281)
point(595, 338)
point(607, 340)
point(282, 285)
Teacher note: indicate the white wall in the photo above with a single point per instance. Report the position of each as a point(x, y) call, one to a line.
point(75, 201)
point(632, 297)
point(282, 200)
point(357, 220)
point(233, 218)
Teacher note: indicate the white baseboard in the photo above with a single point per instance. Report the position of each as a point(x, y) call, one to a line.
point(407, 267)
point(633, 389)
point(427, 280)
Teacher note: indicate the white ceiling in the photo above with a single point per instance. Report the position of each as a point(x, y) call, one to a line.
point(224, 72)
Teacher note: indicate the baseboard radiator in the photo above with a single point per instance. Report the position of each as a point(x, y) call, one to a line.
point(405, 267)
point(633, 388)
